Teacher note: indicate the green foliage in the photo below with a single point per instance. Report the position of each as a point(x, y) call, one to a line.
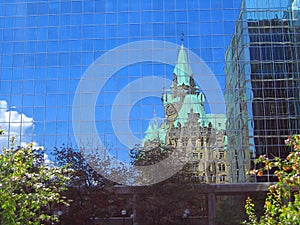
point(151, 154)
point(282, 205)
point(29, 190)
point(92, 195)
point(164, 203)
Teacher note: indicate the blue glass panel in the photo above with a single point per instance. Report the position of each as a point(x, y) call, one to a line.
point(157, 17)
point(7, 48)
point(158, 29)
point(5, 87)
point(64, 33)
point(65, 7)
point(88, 6)
point(65, 46)
point(21, 9)
point(87, 58)
point(111, 6)
point(76, 46)
point(99, 44)
point(76, 32)
point(41, 46)
point(29, 73)
point(20, 21)
point(193, 5)
point(17, 100)
point(42, 34)
point(54, 8)
point(217, 28)
point(42, 21)
point(122, 18)
point(2, 9)
point(52, 87)
point(19, 34)
point(9, 22)
point(88, 31)
point(6, 73)
point(76, 59)
point(170, 16)
point(27, 101)
point(217, 5)
point(40, 74)
point(123, 6)
point(28, 87)
point(170, 30)
point(134, 17)
point(42, 8)
point(16, 89)
point(76, 19)
point(77, 6)
point(146, 17)
point(157, 5)
point(181, 16)
point(29, 60)
point(111, 19)
point(87, 45)
point(62, 86)
point(18, 60)
point(134, 5)
point(111, 31)
point(10, 9)
point(65, 19)
point(99, 18)
point(31, 34)
point(52, 33)
point(31, 8)
point(205, 4)
point(41, 59)
point(54, 20)
point(31, 21)
point(146, 30)
point(100, 6)
point(181, 4)
point(88, 19)
point(7, 61)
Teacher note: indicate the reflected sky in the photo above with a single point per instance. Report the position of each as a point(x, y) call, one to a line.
point(46, 46)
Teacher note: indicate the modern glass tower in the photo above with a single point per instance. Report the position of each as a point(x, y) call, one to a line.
point(262, 84)
point(90, 73)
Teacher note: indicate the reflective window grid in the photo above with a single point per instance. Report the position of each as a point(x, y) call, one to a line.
point(217, 80)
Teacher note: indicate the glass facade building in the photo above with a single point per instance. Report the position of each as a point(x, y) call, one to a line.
point(92, 72)
point(263, 85)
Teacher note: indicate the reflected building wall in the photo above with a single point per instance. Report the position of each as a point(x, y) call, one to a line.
point(189, 129)
point(47, 47)
point(262, 87)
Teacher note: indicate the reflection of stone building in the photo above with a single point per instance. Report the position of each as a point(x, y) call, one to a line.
point(262, 85)
point(188, 128)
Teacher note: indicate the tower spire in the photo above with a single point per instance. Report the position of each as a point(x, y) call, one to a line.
point(182, 38)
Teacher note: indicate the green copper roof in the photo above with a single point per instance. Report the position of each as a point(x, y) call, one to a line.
point(155, 131)
point(192, 103)
point(182, 68)
point(168, 99)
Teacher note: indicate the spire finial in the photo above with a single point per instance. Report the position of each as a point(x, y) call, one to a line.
point(182, 37)
point(154, 112)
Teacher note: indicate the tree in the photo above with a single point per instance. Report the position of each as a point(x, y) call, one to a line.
point(29, 189)
point(92, 195)
point(282, 205)
point(165, 202)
